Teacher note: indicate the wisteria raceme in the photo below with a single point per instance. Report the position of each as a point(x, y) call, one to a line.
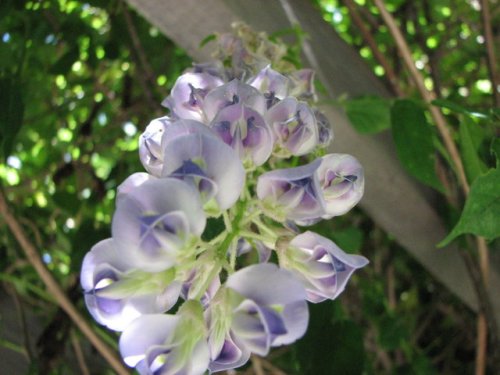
point(231, 172)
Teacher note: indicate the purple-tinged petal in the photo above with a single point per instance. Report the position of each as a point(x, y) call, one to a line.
point(116, 294)
point(150, 150)
point(232, 93)
point(325, 131)
point(266, 284)
point(132, 182)
point(272, 84)
point(294, 126)
point(146, 332)
point(342, 183)
point(214, 68)
point(230, 356)
point(321, 265)
point(155, 220)
point(186, 127)
point(302, 85)
point(201, 281)
point(250, 328)
point(295, 318)
point(245, 131)
point(187, 95)
point(292, 193)
point(166, 344)
point(220, 172)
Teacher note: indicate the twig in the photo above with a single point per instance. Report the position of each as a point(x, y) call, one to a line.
point(148, 78)
point(427, 95)
point(272, 368)
point(367, 36)
point(79, 354)
point(440, 121)
point(482, 344)
point(490, 50)
point(54, 288)
point(257, 365)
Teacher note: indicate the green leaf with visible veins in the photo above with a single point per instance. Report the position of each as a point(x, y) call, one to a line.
point(369, 114)
point(481, 214)
point(413, 137)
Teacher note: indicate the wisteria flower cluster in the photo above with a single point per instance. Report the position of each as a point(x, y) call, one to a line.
point(189, 297)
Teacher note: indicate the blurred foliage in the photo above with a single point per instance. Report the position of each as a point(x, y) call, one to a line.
point(79, 81)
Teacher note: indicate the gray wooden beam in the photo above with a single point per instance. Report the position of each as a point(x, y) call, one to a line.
point(393, 199)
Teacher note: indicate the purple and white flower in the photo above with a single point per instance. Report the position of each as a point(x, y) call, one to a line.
point(323, 268)
point(156, 221)
point(116, 293)
point(205, 162)
point(342, 183)
point(231, 93)
point(272, 84)
point(294, 126)
point(187, 96)
point(167, 344)
point(261, 306)
point(292, 193)
point(246, 131)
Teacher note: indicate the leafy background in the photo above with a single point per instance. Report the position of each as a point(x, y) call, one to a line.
point(79, 81)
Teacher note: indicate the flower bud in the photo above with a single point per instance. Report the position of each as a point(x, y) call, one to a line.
point(150, 150)
point(342, 183)
point(272, 84)
point(230, 93)
point(323, 268)
point(246, 132)
point(204, 161)
point(292, 193)
point(186, 98)
point(294, 126)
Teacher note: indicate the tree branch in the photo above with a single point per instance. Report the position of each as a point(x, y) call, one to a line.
point(427, 95)
point(442, 127)
point(54, 288)
point(490, 50)
point(367, 36)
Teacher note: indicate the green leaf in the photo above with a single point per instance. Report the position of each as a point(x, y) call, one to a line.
point(495, 150)
point(207, 40)
point(481, 214)
point(369, 114)
point(413, 137)
point(454, 107)
point(474, 166)
point(11, 112)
